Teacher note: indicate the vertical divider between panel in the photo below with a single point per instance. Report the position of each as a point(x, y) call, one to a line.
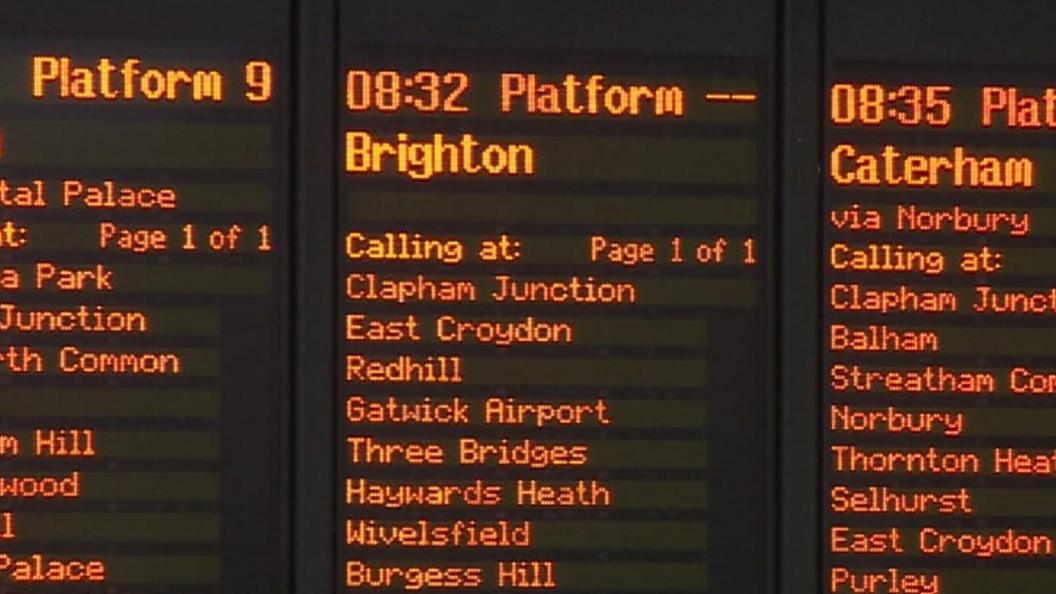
point(314, 311)
point(776, 329)
point(799, 296)
point(288, 294)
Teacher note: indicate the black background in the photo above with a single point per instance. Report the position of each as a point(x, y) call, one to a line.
point(966, 31)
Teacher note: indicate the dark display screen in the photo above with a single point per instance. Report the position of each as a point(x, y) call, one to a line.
point(938, 218)
point(554, 295)
point(606, 296)
point(142, 186)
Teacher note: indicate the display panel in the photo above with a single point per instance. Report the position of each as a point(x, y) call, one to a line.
point(937, 299)
point(143, 188)
point(538, 285)
point(554, 305)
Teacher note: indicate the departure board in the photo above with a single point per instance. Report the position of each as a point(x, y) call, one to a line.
point(554, 270)
point(603, 296)
point(143, 182)
point(937, 298)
